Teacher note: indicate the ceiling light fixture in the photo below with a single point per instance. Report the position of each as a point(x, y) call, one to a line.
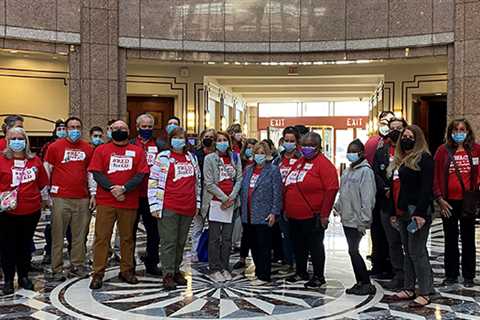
point(13, 51)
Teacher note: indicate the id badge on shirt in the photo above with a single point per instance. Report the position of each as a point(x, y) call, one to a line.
point(183, 170)
point(73, 155)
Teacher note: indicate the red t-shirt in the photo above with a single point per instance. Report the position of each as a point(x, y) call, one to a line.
point(119, 164)
point(227, 173)
point(70, 162)
point(317, 180)
point(285, 167)
point(34, 179)
point(180, 193)
point(454, 187)
point(151, 150)
point(253, 180)
point(3, 144)
point(371, 147)
point(236, 148)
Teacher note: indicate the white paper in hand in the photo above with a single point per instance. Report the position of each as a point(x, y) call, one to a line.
point(216, 213)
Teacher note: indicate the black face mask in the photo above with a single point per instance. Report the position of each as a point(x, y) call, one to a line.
point(207, 142)
point(394, 135)
point(407, 144)
point(119, 135)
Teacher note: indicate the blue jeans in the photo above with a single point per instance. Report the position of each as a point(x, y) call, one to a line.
point(287, 244)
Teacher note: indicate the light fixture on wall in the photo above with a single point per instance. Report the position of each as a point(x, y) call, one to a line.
point(191, 121)
point(398, 114)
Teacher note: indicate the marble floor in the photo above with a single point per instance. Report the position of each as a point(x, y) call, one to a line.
point(203, 298)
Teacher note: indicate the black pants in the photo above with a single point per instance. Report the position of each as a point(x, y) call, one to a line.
point(277, 245)
point(16, 234)
point(151, 258)
point(467, 235)
point(380, 253)
point(308, 240)
point(48, 239)
point(246, 243)
point(359, 268)
point(262, 251)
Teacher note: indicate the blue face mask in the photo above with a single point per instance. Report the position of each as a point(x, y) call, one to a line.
point(222, 146)
point(260, 158)
point(61, 133)
point(459, 137)
point(146, 134)
point(248, 152)
point(109, 135)
point(289, 146)
point(74, 134)
point(170, 128)
point(178, 143)
point(353, 157)
point(96, 141)
point(17, 145)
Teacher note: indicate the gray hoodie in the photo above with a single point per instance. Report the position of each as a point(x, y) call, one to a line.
point(357, 196)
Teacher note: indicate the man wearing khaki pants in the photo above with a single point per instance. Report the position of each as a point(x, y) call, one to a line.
point(118, 168)
point(66, 162)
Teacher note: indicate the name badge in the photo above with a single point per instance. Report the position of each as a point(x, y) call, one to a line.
point(54, 189)
point(475, 161)
point(21, 163)
point(292, 161)
point(120, 163)
point(308, 166)
point(130, 153)
point(152, 149)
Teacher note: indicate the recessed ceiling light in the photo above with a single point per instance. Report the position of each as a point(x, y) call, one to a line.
point(154, 95)
point(62, 53)
point(13, 51)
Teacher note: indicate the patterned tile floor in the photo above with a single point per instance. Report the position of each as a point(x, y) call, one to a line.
point(203, 298)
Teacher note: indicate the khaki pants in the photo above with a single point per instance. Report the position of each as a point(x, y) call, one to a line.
point(73, 212)
point(173, 230)
point(104, 223)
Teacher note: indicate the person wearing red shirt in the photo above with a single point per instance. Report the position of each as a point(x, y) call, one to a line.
point(235, 132)
point(146, 141)
point(174, 197)
point(310, 191)
point(286, 160)
point(9, 122)
point(22, 171)
point(222, 182)
point(66, 163)
point(456, 171)
point(119, 168)
point(376, 141)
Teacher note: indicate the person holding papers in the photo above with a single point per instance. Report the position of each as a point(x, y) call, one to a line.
point(222, 181)
point(262, 199)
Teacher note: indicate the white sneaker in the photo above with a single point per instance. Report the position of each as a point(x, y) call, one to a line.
point(217, 277)
point(226, 275)
point(258, 282)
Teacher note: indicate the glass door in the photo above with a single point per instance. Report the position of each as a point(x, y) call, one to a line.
point(326, 132)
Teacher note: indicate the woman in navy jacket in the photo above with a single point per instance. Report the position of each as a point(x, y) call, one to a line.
point(262, 204)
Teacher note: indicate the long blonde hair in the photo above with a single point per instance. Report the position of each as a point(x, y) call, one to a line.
point(8, 153)
point(411, 159)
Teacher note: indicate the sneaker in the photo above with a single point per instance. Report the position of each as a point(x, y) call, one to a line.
point(315, 282)
point(47, 259)
point(153, 270)
point(362, 290)
point(468, 283)
point(25, 283)
point(58, 276)
point(298, 277)
point(78, 272)
point(239, 265)
point(128, 277)
point(168, 282)
point(287, 271)
point(96, 283)
point(226, 275)
point(394, 284)
point(217, 277)
point(353, 289)
point(179, 279)
point(449, 281)
point(8, 288)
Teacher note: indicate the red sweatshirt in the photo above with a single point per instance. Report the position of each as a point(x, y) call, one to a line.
point(315, 181)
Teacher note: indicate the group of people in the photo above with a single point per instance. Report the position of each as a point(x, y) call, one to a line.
point(282, 197)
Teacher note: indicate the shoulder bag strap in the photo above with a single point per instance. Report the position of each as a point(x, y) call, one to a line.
point(457, 171)
point(302, 194)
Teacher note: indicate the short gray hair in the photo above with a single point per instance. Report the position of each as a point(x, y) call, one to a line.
point(9, 152)
point(314, 137)
point(145, 115)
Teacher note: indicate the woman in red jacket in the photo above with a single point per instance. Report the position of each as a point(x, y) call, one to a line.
point(22, 171)
point(310, 190)
point(457, 170)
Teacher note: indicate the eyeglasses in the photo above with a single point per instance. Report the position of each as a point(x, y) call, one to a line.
point(96, 136)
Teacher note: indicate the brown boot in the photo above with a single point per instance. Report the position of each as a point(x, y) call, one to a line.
point(180, 279)
point(169, 282)
point(128, 277)
point(97, 282)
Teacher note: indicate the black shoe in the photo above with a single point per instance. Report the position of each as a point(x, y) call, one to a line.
point(153, 270)
point(394, 284)
point(362, 290)
point(169, 283)
point(468, 283)
point(97, 283)
point(8, 288)
point(298, 277)
point(25, 283)
point(315, 282)
point(128, 277)
point(449, 281)
point(352, 289)
point(239, 265)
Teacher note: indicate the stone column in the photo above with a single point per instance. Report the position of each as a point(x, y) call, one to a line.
point(97, 87)
point(464, 64)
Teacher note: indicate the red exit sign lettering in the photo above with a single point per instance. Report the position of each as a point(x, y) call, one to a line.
point(277, 123)
point(354, 122)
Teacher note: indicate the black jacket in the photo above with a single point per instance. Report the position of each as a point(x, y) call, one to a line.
point(416, 187)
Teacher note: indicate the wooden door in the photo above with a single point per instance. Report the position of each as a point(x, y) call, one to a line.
point(161, 108)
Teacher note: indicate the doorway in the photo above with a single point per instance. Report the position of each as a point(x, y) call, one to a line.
point(161, 108)
point(430, 114)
